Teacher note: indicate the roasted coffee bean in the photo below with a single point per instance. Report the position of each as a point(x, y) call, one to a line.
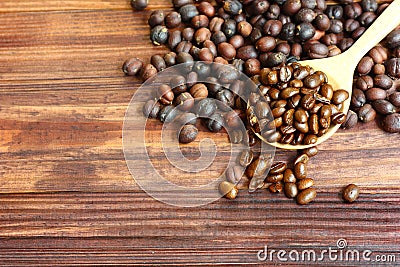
point(232, 119)
point(353, 10)
point(306, 196)
point(178, 84)
point(139, 4)
point(180, 3)
point(300, 170)
point(167, 113)
point(252, 66)
point(310, 139)
point(290, 190)
point(379, 69)
point(232, 7)
point(159, 35)
point(205, 107)
point(132, 66)
point(215, 122)
point(383, 81)
point(191, 78)
point(345, 44)
point(305, 31)
point(174, 39)
point(172, 19)
point(170, 58)
point(291, 7)
point(358, 98)
point(305, 15)
point(338, 118)
point(165, 94)
point(375, 94)
point(311, 151)
point(277, 168)
point(187, 34)
point(184, 57)
point(351, 25)
point(236, 136)
point(318, 50)
point(278, 112)
point(147, 72)
point(364, 82)
point(301, 116)
point(226, 50)
point(393, 67)
point(273, 27)
point(351, 193)
point(313, 124)
point(275, 187)
point(339, 96)
point(357, 33)
point(245, 158)
point(229, 28)
point(288, 117)
point(301, 127)
point(394, 98)
point(228, 190)
point(274, 178)
point(156, 18)
point(151, 108)
point(201, 35)
point(367, 18)
point(322, 22)
point(305, 183)
point(308, 101)
point(225, 99)
point(383, 107)
point(199, 91)
point(206, 8)
point(236, 41)
point(211, 46)
point(393, 39)
point(391, 123)
point(378, 54)
point(246, 52)
point(334, 11)
point(184, 101)
point(304, 158)
point(275, 59)
point(312, 81)
point(351, 120)
point(365, 65)
point(188, 134)
point(333, 51)
point(288, 176)
point(262, 110)
point(288, 31)
point(234, 174)
point(257, 7)
point(366, 113)
point(158, 62)
point(187, 12)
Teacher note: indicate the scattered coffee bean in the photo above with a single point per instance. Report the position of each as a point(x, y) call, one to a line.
point(188, 134)
point(391, 123)
point(306, 196)
point(228, 190)
point(350, 193)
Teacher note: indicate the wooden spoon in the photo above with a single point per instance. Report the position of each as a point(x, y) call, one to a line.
point(340, 69)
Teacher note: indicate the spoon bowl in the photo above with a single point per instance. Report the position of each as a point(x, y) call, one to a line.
point(340, 69)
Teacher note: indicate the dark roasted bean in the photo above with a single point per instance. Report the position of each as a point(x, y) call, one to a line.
point(391, 123)
point(306, 196)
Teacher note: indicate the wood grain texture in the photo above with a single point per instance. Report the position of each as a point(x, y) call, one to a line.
point(67, 197)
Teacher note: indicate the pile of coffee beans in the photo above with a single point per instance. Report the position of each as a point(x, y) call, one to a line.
point(376, 89)
point(264, 39)
point(304, 105)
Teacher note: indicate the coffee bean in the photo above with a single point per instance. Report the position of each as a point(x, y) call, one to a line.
point(215, 24)
point(290, 189)
point(206, 8)
point(165, 94)
point(366, 113)
point(232, 119)
point(338, 118)
point(139, 4)
point(232, 7)
point(300, 170)
point(364, 82)
point(378, 54)
point(147, 72)
point(305, 183)
point(226, 50)
point(229, 27)
point(275, 187)
point(246, 52)
point(159, 35)
point(351, 120)
point(156, 18)
point(167, 113)
point(365, 65)
point(393, 67)
point(184, 101)
point(313, 124)
point(383, 107)
point(391, 123)
point(367, 18)
point(310, 139)
point(187, 12)
point(199, 21)
point(278, 168)
point(245, 158)
point(234, 174)
point(383, 81)
point(273, 27)
point(180, 3)
point(339, 96)
point(305, 31)
point(311, 151)
point(252, 66)
point(186, 118)
point(358, 98)
point(132, 66)
point(258, 167)
point(351, 193)
point(308, 101)
point(158, 62)
point(228, 190)
point(151, 108)
point(274, 178)
point(322, 22)
point(379, 69)
point(394, 98)
point(172, 20)
point(205, 107)
point(199, 91)
point(291, 7)
point(304, 158)
point(201, 35)
point(306, 196)
point(375, 94)
point(334, 11)
point(318, 50)
point(393, 39)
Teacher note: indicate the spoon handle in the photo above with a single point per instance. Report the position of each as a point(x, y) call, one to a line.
point(382, 26)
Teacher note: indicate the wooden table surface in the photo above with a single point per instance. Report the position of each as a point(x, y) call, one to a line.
point(68, 198)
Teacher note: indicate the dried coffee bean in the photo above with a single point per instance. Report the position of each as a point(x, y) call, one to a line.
point(273, 27)
point(394, 98)
point(383, 107)
point(158, 62)
point(199, 91)
point(188, 134)
point(305, 31)
point(245, 158)
point(310, 139)
point(147, 72)
point(151, 108)
point(228, 190)
point(258, 167)
point(378, 54)
point(172, 19)
point(236, 41)
point(232, 7)
point(358, 98)
point(391, 123)
point(265, 44)
point(353, 10)
point(186, 118)
point(290, 190)
point(167, 113)
point(156, 18)
point(236, 136)
point(184, 101)
point(165, 94)
point(364, 82)
point(291, 7)
point(159, 35)
point(205, 107)
point(252, 66)
point(234, 174)
point(275, 187)
point(383, 81)
point(288, 31)
point(305, 183)
point(275, 59)
point(187, 34)
point(339, 96)
point(232, 119)
point(365, 65)
point(375, 94)
point(338, 118)
point(393, 39)
point(170, 58)
point(199, 21)
point(379, 69)
point(187, 12)
point(132, 66)
point(367, 18)
point(206, 8)
point(139, 4)
point(318, 50)
point(350, 193)
point(306, 196)
point(366, 113)
point(351, 120)
point(180, 3)
point(226, 50)
point(246, 52)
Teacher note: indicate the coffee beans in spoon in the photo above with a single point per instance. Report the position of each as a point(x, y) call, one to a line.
point(303, 105)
